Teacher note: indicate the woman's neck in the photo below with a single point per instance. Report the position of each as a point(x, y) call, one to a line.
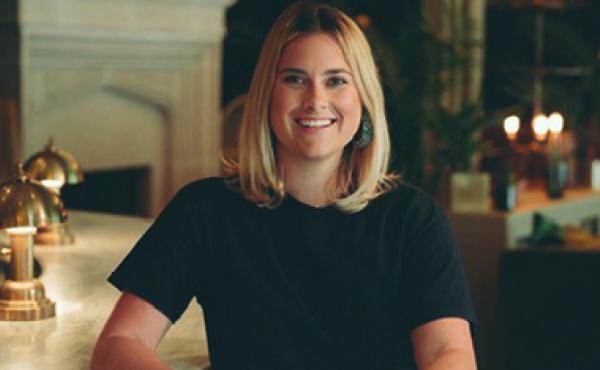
point(311, 182)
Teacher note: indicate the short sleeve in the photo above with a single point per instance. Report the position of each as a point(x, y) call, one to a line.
point(434, 272)
point(161, 266)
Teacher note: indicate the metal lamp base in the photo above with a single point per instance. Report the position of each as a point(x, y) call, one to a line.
point(57, 234)
point(24, 301)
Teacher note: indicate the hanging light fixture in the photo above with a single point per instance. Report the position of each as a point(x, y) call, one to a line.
point(54, 168)
point(24, 206)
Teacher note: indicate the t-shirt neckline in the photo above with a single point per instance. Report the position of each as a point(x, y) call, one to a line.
point(299, 204)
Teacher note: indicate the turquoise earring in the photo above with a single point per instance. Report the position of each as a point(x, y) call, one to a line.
point(363, 136)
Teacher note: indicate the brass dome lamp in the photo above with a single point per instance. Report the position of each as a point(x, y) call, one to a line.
point(53, 168)
point(24, 206)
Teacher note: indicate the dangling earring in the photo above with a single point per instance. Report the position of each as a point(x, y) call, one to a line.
point(363, 136)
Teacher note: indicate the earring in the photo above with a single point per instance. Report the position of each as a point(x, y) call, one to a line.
point(363, 136)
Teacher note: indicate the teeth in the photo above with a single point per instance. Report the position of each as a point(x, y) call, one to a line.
point(315, 123)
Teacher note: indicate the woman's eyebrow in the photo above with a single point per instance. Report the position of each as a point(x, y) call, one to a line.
point(293, 70)
point(336, 71)
point(328, 72)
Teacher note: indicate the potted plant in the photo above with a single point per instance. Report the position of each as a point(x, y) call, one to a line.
point(457, 143)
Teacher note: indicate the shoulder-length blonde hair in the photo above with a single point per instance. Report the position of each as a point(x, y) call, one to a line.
point(363, 173)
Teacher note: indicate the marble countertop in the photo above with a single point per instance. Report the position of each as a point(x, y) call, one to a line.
point(75, 278)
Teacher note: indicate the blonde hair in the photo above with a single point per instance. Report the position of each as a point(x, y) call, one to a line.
point(363, 173)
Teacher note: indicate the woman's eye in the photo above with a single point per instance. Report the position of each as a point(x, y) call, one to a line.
point(336, 81)
point(293, 80)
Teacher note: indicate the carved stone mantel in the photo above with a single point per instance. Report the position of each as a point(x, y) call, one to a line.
point(125, 83)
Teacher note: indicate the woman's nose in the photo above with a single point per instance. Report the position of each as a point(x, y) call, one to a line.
point(315, 98)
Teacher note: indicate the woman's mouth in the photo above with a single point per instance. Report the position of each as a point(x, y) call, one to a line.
point(315, 122)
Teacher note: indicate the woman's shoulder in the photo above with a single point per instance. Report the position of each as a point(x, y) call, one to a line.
point(411, 210)
point(206, 191)
point(404, 194)
point(208, 185)
point(406, 202)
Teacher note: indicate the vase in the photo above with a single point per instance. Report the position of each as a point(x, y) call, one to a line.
point(557, 178)
point(470, 192)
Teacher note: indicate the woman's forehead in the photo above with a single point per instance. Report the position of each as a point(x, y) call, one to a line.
point(314, 51)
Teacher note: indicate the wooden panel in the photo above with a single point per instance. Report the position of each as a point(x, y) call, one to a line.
point(550, 300)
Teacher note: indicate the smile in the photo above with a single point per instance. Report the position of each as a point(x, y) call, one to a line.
point(315, 123)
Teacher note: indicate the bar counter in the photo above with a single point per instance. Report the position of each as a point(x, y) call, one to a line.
point(75, 278)
point(484, 236)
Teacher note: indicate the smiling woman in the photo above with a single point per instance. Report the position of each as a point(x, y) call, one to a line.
point(309, 255)
point(315, 55)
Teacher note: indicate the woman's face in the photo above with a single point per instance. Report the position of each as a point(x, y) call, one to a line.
point(315, 107)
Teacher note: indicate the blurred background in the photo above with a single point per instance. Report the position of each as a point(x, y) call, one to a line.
point(493, 108)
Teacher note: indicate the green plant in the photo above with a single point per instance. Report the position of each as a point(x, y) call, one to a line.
point(457, 137)
point(419, 68)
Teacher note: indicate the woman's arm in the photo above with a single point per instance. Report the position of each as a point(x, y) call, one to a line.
point(130, 336)
point(444, 344)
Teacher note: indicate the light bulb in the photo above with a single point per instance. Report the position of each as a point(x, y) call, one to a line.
point(540, 126)
point(21, 230)
point(556, 123)
point(511, 126)
point(53, 185)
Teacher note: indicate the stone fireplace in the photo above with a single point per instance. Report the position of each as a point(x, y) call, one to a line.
point(122, 84)
point(119, 191)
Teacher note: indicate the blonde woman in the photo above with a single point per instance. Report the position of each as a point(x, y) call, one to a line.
point(309, 255)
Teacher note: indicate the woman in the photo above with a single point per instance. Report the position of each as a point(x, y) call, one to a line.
point(311, 256)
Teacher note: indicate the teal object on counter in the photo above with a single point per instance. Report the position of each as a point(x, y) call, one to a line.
point(546, 231)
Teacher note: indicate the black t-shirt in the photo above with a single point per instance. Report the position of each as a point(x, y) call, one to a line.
point(298, 287)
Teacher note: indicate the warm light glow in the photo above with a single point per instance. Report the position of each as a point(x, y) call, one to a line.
point(363, 20)
point(556, 123)
point(511, 126)
point(53, 184)
point(66, 306)
point(23, 230)
point(540, 126)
